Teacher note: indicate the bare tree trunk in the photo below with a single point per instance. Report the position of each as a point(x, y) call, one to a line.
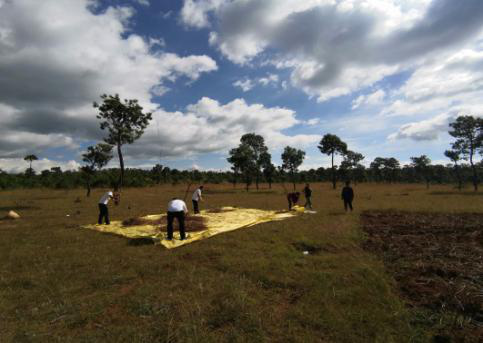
point(88, 185)
point(458, 175)
point(257, 180)
point(475, 175)
point(121, 163)
point(333, 172)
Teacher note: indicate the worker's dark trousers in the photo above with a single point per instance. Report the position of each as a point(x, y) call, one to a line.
point(347, 204)
point(196, 209)
point(308, 203)
point(103, 214)
point(180, 217)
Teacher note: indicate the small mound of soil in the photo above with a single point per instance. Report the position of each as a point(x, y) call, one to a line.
point(191, 223)
point(220, 210)
point(194, 223)
point(137, 221)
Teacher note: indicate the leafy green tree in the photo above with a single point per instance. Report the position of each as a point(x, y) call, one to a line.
point(454, 156)
point(30, 158)
point(391, 169)
point(385, 169)
point(468, 132)
point(422, 166)
point(292, 159)
point(95, 158)
point(243, 159)
point(124, 121)
point(269, 172)
point(166, 174)
point(260, 152)
point(332, 145)
point(376, 167)
point(351, 161)
point(157, 172)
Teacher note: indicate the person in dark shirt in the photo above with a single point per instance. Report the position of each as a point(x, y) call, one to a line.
point(347, 195)
point(308, 196)
point(292, 198)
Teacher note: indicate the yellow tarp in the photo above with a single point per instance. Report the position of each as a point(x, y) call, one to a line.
point(228, 219)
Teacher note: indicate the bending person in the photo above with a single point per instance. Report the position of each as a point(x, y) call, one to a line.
point(196, 198)
point(103, 209)
point(176, 209)
point(292, 199)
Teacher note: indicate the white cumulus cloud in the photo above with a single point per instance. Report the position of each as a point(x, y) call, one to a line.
point(57, 57)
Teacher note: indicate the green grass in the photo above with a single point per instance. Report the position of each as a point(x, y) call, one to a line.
point(61, 283)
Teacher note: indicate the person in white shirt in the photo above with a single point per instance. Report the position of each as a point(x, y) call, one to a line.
point(103, 210)
point(196, 198)
point(176, 209)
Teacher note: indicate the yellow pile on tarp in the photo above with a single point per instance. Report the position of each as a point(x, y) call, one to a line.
point(228, 219)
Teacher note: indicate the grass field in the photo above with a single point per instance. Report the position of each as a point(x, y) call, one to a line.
point(60, 283)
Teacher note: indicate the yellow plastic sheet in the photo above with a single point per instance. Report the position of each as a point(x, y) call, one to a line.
point(229, 219)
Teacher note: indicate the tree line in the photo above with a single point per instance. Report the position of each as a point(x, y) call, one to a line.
point(251, 161)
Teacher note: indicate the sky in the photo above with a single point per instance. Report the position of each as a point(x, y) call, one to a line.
point(386, 76)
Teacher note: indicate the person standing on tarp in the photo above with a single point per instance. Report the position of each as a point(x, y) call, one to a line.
point(347, 195)
point(103, 210)
point(176, 209)
point(308, 196)
point(196, 198)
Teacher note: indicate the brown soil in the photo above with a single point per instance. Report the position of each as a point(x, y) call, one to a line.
point(437, 261)
point(192, 223)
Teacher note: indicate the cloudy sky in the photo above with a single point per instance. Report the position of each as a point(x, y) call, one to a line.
point(387, 76)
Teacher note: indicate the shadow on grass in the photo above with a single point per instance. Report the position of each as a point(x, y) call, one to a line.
point(457, 193)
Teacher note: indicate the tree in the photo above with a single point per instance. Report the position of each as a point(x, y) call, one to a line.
point(376, 167)
point(166, 174)
point(243, 160)
point(385, 169)
point(391, 169)
point(454, 156)
point(124, 121)
point(157, 172)
point(269, 171)
point(468, 132)
point(351, 161)
point(292, 159)
point(96, 157)
point(331, 145)
point(422, 165)
point(30, 158)
point(260, 152)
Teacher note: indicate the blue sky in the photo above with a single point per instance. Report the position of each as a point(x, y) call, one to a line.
point(387, 76)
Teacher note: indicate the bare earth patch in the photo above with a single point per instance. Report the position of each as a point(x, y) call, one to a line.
point(192, 223)
point(437, 261)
